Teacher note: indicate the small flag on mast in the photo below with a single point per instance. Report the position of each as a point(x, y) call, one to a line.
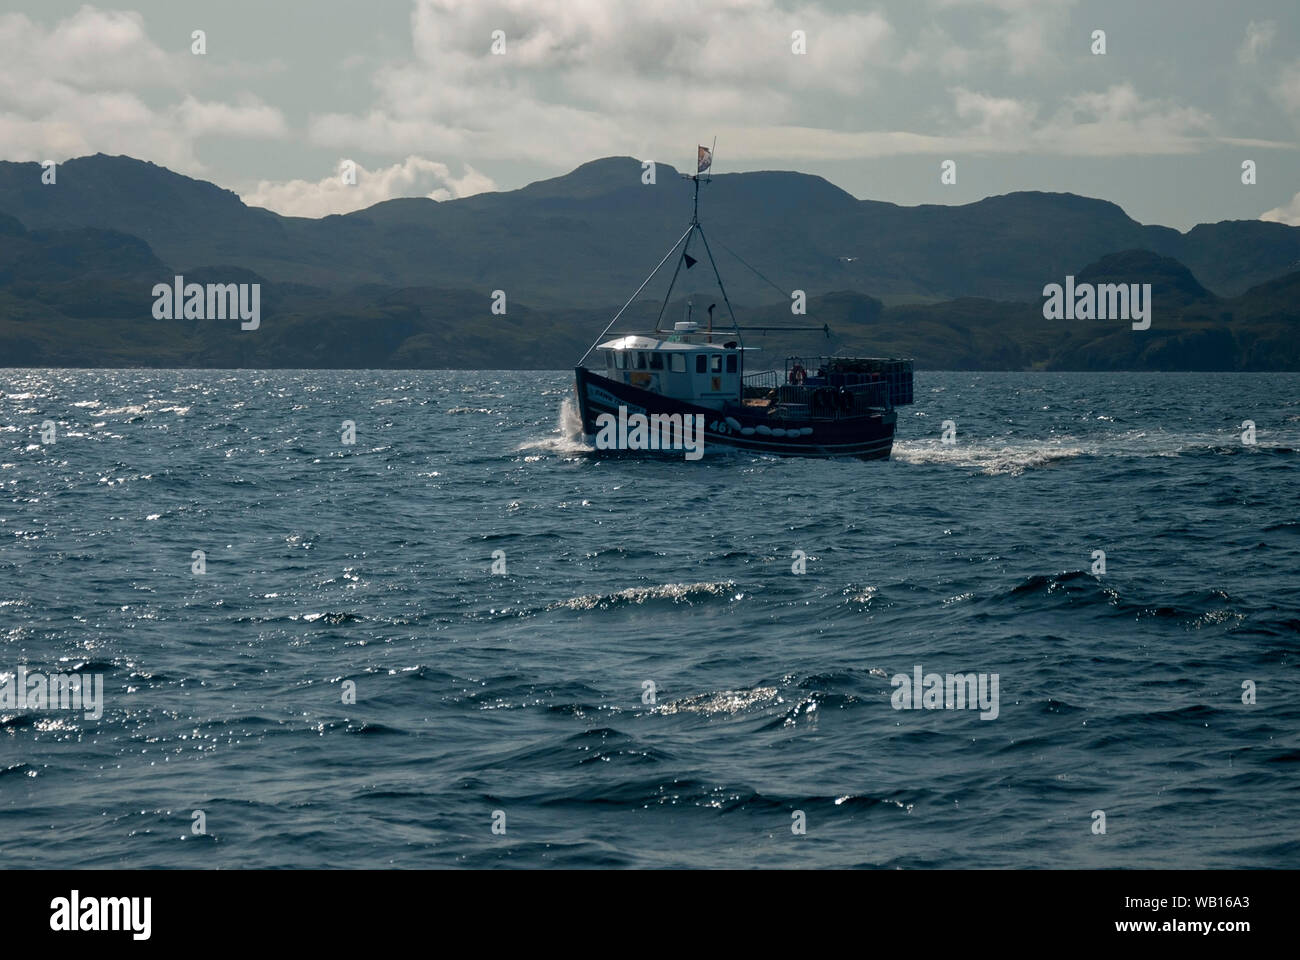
point(705, 159)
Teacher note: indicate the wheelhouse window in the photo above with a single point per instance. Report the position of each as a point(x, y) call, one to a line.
point(677, 362)
point(640, 359)
point(716, 362)
point(701, 363)
point(620, 360)
point(731, 363)
point(656, 361)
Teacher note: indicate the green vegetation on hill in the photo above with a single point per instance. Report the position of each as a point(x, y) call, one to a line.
point(83, 297)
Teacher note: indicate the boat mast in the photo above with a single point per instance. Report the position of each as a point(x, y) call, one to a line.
point(694, 227)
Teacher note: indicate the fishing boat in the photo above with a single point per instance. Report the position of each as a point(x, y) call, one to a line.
point(823, 406)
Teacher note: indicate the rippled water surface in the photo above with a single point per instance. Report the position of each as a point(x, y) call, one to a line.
point(526, 692)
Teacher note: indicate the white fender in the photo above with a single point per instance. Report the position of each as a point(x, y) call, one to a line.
point(764, 429)
point(805, 431)
point(778, 432)
point(733, 423)
point(747, 431)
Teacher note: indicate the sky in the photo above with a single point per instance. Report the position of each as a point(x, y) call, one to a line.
point(412, 93)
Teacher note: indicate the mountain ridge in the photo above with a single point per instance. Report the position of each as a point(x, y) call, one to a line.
point(83, 297)
point(601, 222)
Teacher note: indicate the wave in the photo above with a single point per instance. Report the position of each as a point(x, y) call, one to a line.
point(989, 460)
point(566, 438)
point(643, 792)
point(603, 745)
point(672, 592)
point(327, 618)
point(1017, 457)
point(1072, 582)
point(729, 702)
point(1206, 608)
point(370, 728)
point(1233, 450)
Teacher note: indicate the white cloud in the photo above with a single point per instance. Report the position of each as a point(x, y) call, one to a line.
point(413, 177)
point(994, 116)
point(471, 183)
point(1119, 121)
point(1111, 122)
point(934, 50)
point(1026, 34)
point(1258, 37)
point(1287, 89)
point(88, 48)
point(1288, 213)
point(247, 119)
point(79, 86)
point(590, 78)
point(584, 78)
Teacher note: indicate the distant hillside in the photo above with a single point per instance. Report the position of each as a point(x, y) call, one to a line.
point(83, 297)
point(586, 239)
point(1191, 328)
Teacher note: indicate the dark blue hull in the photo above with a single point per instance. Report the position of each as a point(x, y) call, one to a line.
point(869, 436)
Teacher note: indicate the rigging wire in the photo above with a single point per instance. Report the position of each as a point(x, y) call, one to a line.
point(784, 293)
point(638, 292)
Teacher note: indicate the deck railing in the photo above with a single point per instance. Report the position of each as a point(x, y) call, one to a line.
point(854, 371)
point(767, 380)
point(817, 401)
